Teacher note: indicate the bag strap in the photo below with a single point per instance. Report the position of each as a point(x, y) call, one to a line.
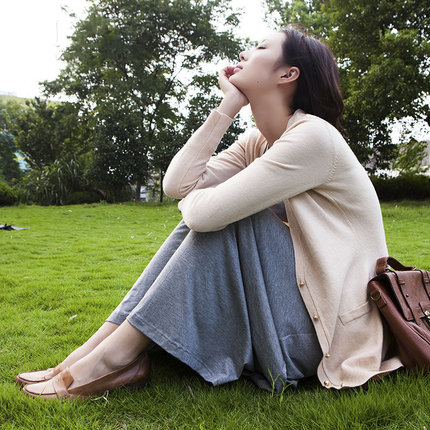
point(383, 263)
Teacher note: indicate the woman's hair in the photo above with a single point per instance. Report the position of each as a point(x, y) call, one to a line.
point(318, 90)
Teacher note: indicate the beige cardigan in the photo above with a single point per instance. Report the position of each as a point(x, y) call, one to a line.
point(335, 222)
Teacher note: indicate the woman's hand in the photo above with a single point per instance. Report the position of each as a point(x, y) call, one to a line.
point(234, 99)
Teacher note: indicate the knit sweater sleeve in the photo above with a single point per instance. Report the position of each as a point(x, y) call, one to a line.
point(195, 167)
point(302, 159)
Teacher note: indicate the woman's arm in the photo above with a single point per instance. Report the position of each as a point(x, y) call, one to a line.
point(190, 169)
point(302, 159)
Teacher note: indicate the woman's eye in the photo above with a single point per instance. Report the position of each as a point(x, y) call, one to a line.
point(261, 47)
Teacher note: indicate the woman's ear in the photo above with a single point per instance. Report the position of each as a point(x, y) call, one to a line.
point(290, 74)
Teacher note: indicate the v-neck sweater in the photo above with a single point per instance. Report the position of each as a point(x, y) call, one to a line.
point(334, 217)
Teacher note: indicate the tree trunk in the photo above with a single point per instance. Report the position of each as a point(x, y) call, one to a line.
point(137, 195)
point(161, 185)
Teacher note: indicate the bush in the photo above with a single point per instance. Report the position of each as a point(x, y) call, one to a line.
point(51, 184)
point(8, 196)
point(119, 194)
point(82, 197)
point(411, 187)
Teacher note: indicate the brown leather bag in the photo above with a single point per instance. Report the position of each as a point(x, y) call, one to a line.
point(403, 298)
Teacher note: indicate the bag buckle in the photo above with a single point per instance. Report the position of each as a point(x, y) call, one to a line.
point(377, 296)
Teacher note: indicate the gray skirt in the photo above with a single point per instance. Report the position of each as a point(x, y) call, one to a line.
point(226, 303)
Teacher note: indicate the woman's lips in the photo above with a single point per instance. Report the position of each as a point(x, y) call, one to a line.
point(237, 68)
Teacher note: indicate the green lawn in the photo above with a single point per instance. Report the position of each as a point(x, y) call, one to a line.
point(61, 278)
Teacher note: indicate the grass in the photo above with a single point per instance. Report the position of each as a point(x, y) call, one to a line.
point(61, 278)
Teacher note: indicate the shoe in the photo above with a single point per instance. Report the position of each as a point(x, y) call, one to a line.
point(134, 375)
point(25, 378)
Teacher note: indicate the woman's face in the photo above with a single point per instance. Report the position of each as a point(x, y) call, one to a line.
point(260, 68)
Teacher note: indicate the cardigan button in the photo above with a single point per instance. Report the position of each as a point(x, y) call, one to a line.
point(326, 383)
point(301, 284)
point(327, 355)
point(316, 317)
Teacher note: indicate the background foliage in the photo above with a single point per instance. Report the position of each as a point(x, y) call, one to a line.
point(383, 50)
point(129, 66)
point(9, 166)
point(136, 77)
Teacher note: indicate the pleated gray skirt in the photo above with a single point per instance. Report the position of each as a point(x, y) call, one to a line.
point(226, 303)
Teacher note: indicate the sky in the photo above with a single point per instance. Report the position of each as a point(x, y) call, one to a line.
point(33, 33)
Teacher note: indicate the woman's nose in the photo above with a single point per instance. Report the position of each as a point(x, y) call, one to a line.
point(243, 56)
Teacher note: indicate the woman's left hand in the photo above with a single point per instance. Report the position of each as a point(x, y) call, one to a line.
point(234, 99)
point(228, 88)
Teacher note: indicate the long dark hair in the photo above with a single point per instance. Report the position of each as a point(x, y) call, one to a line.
point(318, 90)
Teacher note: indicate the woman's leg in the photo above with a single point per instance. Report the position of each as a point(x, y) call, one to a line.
point(135, 294)
point(132, 298)
point(119, 315)
point(42, 375)
point(228, 301)
point(117, 350)
point(212, 307)
point(101, 334)
point(114, 352)
point(150, 274)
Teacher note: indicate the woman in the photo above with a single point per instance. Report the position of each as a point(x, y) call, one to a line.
point(286, 228)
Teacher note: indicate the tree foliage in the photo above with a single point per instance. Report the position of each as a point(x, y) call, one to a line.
point(203, 99)
point(382, 48)
point(128, 66)
point(206, 98)
point(8, 196)
point(9, 166)
point(411, 155)
point(56, 143)
point(45, 132)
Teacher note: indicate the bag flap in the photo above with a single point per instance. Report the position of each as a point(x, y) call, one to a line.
point(391, 283)
point(411, 291)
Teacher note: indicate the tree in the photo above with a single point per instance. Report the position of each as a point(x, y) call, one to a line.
point(127, 64)
point(410, 158)
point(382, 48)
point(46, 132)
point(204, 98)
point(56, 143)
point(9, 166)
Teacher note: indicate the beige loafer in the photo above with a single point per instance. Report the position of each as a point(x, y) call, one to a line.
point(25, 378)
point(134, 375)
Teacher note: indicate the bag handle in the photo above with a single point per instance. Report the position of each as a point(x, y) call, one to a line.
point(383, 263)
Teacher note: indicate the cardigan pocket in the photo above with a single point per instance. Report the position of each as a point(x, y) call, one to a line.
point(353, 314)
